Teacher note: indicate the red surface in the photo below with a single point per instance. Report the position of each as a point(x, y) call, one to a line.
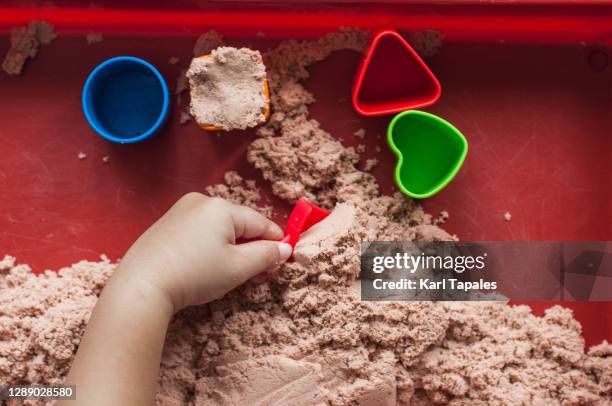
point(492, 22)
point(537, 119)
point(392, 78)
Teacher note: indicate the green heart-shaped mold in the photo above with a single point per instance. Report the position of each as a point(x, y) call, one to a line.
point(430, 152)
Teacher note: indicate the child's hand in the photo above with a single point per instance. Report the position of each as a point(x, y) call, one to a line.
point(187, 257)
point(190, 254)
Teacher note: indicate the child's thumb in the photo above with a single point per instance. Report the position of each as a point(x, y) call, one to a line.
point(261, 256)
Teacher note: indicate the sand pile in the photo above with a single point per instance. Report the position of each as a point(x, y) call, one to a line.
point(43, 317)
point(304, 337)
point(315, 342)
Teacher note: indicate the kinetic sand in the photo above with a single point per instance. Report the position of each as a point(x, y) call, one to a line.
point(228, 89)
point(25, 42)
point(304, 337)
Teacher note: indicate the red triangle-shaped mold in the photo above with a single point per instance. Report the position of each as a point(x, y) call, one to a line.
point(392, 77)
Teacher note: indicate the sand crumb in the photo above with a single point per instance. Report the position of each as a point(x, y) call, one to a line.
point(361, 133)
point(370, 164)
point(227, 88)
point(45, 32)
point(174, 60)
point(238, 190)
point(181, 83)
point(442, 217)
point(184, 118)
point(106, 159)
point(426, 43)
point(25, 41)
point(81, 155)
point(507, 216)
point(94, 37)
point(207, 42)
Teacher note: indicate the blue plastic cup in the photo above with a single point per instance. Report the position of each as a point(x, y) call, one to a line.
point(125, 100)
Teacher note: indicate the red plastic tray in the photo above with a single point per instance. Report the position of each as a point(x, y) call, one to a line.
point(537, 118)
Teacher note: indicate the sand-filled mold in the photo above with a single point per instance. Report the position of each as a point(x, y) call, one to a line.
point(228, 89)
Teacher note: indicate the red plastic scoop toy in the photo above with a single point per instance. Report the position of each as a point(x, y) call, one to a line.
point(303, 216)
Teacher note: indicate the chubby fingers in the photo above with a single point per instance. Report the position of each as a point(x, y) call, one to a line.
point(249, 223)
point(256, 257)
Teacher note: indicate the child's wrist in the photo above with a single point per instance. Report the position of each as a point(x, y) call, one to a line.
point(146, 292)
